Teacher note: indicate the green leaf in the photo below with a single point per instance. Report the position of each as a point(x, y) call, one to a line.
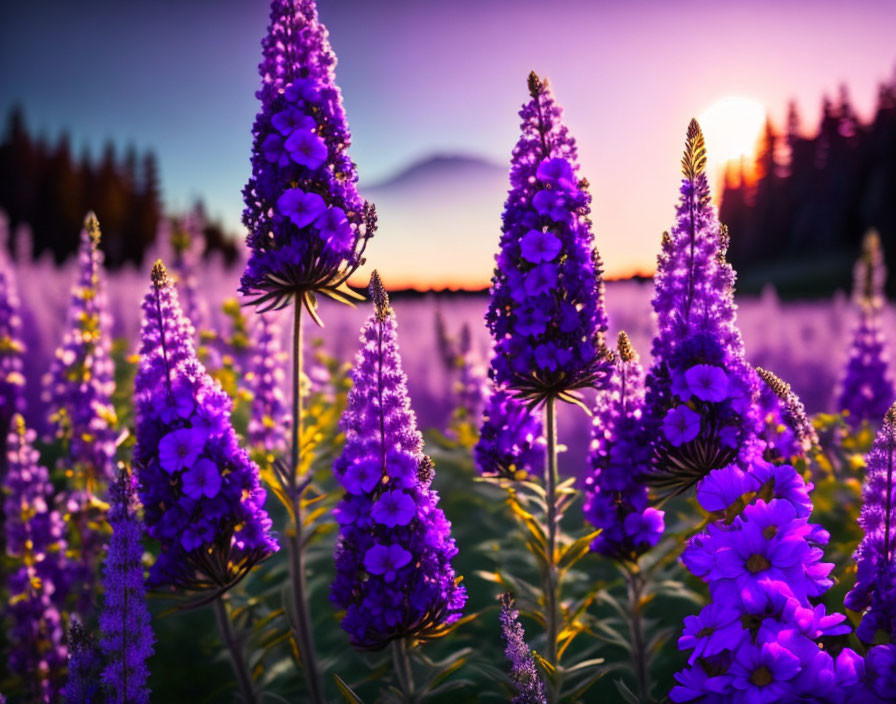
point(627, 694)
point(347, 692)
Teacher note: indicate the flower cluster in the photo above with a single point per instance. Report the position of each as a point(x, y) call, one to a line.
point(523, 672)
point(788, 432)
point(82, 377)
point(546, 311)
point(757, 639)
point(700, 390)
point(393, 557)
point(200, 491)
point(37, 582)
point(510, 440)
point(12, 349)
point(124, 621)
point(269, 420)
point(874, 593)
point(867, 388)
point(82, 684)
point(308, 226)
point(615, 501)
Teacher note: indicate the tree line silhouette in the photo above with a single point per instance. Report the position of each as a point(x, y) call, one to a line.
point(798, 213)
point(47, 188)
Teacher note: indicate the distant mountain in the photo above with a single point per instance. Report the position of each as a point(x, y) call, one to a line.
point(438, 170)
point(440, 218)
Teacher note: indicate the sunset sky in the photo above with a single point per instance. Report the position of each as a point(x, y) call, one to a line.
point(424, 77)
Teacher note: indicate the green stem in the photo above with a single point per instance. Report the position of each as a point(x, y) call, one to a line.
point(237, 659)
point(404, 673)
point(635, 582)
point(551, 586)
point(303, 632)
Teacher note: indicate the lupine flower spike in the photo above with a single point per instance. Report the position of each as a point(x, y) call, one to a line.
point(789, 433)
point(874, 593)
point(510, 440)
point(546, 312)
point(524, 674)
point(700, 390)
point(615, 501)
point(81, 380)
point(124, 621)
point(867, 389)
point(393, 557)
point(200, 491)
point(12, 350)
point(308, 227)
point(37, 583)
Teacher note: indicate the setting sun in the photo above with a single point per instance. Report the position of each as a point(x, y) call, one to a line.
point(731, 127)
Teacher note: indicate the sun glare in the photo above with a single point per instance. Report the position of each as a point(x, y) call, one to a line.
point(731, 127)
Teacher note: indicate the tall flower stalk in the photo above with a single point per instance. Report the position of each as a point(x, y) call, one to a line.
point(201, 494)
point(867, 389)
point(615, 501)
point(127, 636)
point(79, 389)
point(308, 229)
point(12, 380)
point(546, 312)
point(874, 593)
point(39, 579)
point(700, 390)
point(394, 577)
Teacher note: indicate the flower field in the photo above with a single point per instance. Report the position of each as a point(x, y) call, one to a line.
point(259, 483)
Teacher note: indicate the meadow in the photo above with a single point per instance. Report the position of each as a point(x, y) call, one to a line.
point(259, 483)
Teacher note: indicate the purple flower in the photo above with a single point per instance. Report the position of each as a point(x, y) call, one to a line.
point(127, 637)
point(179, 449)
point(335, 229)
point(394, 508)
point(715, 629)
point(37, 580)
point(721, 488)
point(681, 425)
point(306, 148)
point(385, 560)
point(509, 441)
point(203, 479)
point(707, 382)
point(537, 246)
point(300, 207)
point(763, 673)
point(290, 120)
point(867, 389)
point(201, 492)
point(757, 639)
point(523, 672)
point(557, 172)
point(698, 354)
point(393, 557)
point(546, 313)
point(615, 499)
point(300, 146)
point(874, 593)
